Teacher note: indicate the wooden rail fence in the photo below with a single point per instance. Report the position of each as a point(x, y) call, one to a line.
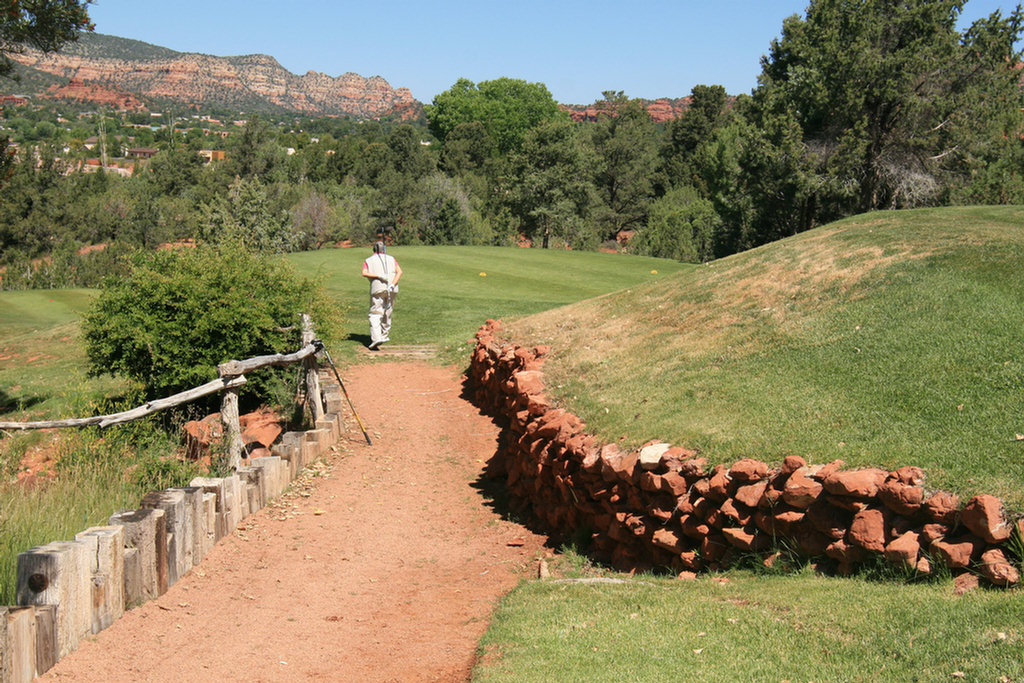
point(67, 590)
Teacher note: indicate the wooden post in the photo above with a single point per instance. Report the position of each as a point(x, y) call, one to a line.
point(106, 552)
point(252, 478)
point(232, 428)
point(179, 533)
point(313, 396)
point(209, 521)
point(195, 522)
point(46, 638)
point(59, 574)
point(141, 582)
point(21, 639)
point(5, 648)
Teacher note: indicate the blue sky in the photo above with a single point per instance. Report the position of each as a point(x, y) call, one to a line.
point(646, 48)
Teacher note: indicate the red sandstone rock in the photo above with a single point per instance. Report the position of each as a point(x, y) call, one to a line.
point(738, 512)
point(862, 484)
point(619, 467)
point(825, 471)
point(713, 548)
point(923, 567)
point(694, 527)
point(901, 497)
point(748, 470)
point(693, 469)
point(746, 540)
point(844, 552)
point(687, 576)
point(199, 434)
point(792, 463)
point(751, 494)
point(957, 553)
point(691, 560)
point(911, 476)
point(674, 483)
point(904, 549)
point(800, 490)
point(965, 583)
point(719, 484)
point(669, 540)
point(997, 569)
point(528, 382)
point(983, 516)
point(828, 519)
point(541, 350)
point(868, 530)
point(849, 504)
point(942, 507)
point(649, 481)
point(934, 532)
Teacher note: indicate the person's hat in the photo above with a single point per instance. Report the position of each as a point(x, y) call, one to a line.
point(379, 248)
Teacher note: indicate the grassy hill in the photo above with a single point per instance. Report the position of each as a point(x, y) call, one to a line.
point(887, 339)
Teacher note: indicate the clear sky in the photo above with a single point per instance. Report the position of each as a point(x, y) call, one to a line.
point(646, 48)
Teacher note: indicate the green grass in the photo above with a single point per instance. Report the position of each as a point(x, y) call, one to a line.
point(752, 628)
point(42, 362)
point(888, 339)
point(444, 298)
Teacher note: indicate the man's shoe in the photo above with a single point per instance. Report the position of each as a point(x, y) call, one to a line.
point(373, 345)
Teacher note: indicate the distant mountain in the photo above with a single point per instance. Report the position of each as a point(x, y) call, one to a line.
point(131, 74)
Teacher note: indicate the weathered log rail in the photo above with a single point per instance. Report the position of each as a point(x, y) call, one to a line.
point(67, 590)
point(232, 378)
point(148, 408)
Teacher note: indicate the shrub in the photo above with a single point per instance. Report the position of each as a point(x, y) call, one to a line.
point(178, 314)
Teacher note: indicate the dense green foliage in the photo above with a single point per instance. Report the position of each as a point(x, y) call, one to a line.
point(861, 105)
point(42, 24)
point(178, 314)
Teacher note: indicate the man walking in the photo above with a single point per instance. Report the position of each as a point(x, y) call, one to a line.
point(383, 272)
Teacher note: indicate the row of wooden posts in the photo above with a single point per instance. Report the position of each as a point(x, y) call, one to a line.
point(67, 590)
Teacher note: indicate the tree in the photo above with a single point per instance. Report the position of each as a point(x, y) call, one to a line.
point(548, 186)
point(506, 107)
point(704, 115)
point(624, 139)
point(178, 314)
point(889, 96)
point(681, 226)
point(41, 24)
point(246, 217)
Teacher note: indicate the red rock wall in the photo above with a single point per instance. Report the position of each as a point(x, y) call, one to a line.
point(663, 506)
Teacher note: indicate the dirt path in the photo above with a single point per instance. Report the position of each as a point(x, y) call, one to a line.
point(386, 569)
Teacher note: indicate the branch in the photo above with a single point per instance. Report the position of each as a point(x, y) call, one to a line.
point(135, 413)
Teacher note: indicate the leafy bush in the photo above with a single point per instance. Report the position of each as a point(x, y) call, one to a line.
point(178, 314)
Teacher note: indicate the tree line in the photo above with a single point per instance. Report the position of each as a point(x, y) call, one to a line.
point(860, 105)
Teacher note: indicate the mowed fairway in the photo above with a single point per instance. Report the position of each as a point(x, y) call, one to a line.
point(446, 293)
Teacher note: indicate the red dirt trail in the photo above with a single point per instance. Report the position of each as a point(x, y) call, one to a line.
point(386, 568)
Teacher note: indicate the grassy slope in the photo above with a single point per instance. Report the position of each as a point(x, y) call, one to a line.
point(888, 339)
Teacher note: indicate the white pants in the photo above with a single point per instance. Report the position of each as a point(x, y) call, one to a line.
point(381, 304)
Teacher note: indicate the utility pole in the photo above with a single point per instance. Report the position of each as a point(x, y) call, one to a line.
point(103, 141)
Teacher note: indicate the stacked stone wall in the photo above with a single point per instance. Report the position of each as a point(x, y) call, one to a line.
point(665, 506)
